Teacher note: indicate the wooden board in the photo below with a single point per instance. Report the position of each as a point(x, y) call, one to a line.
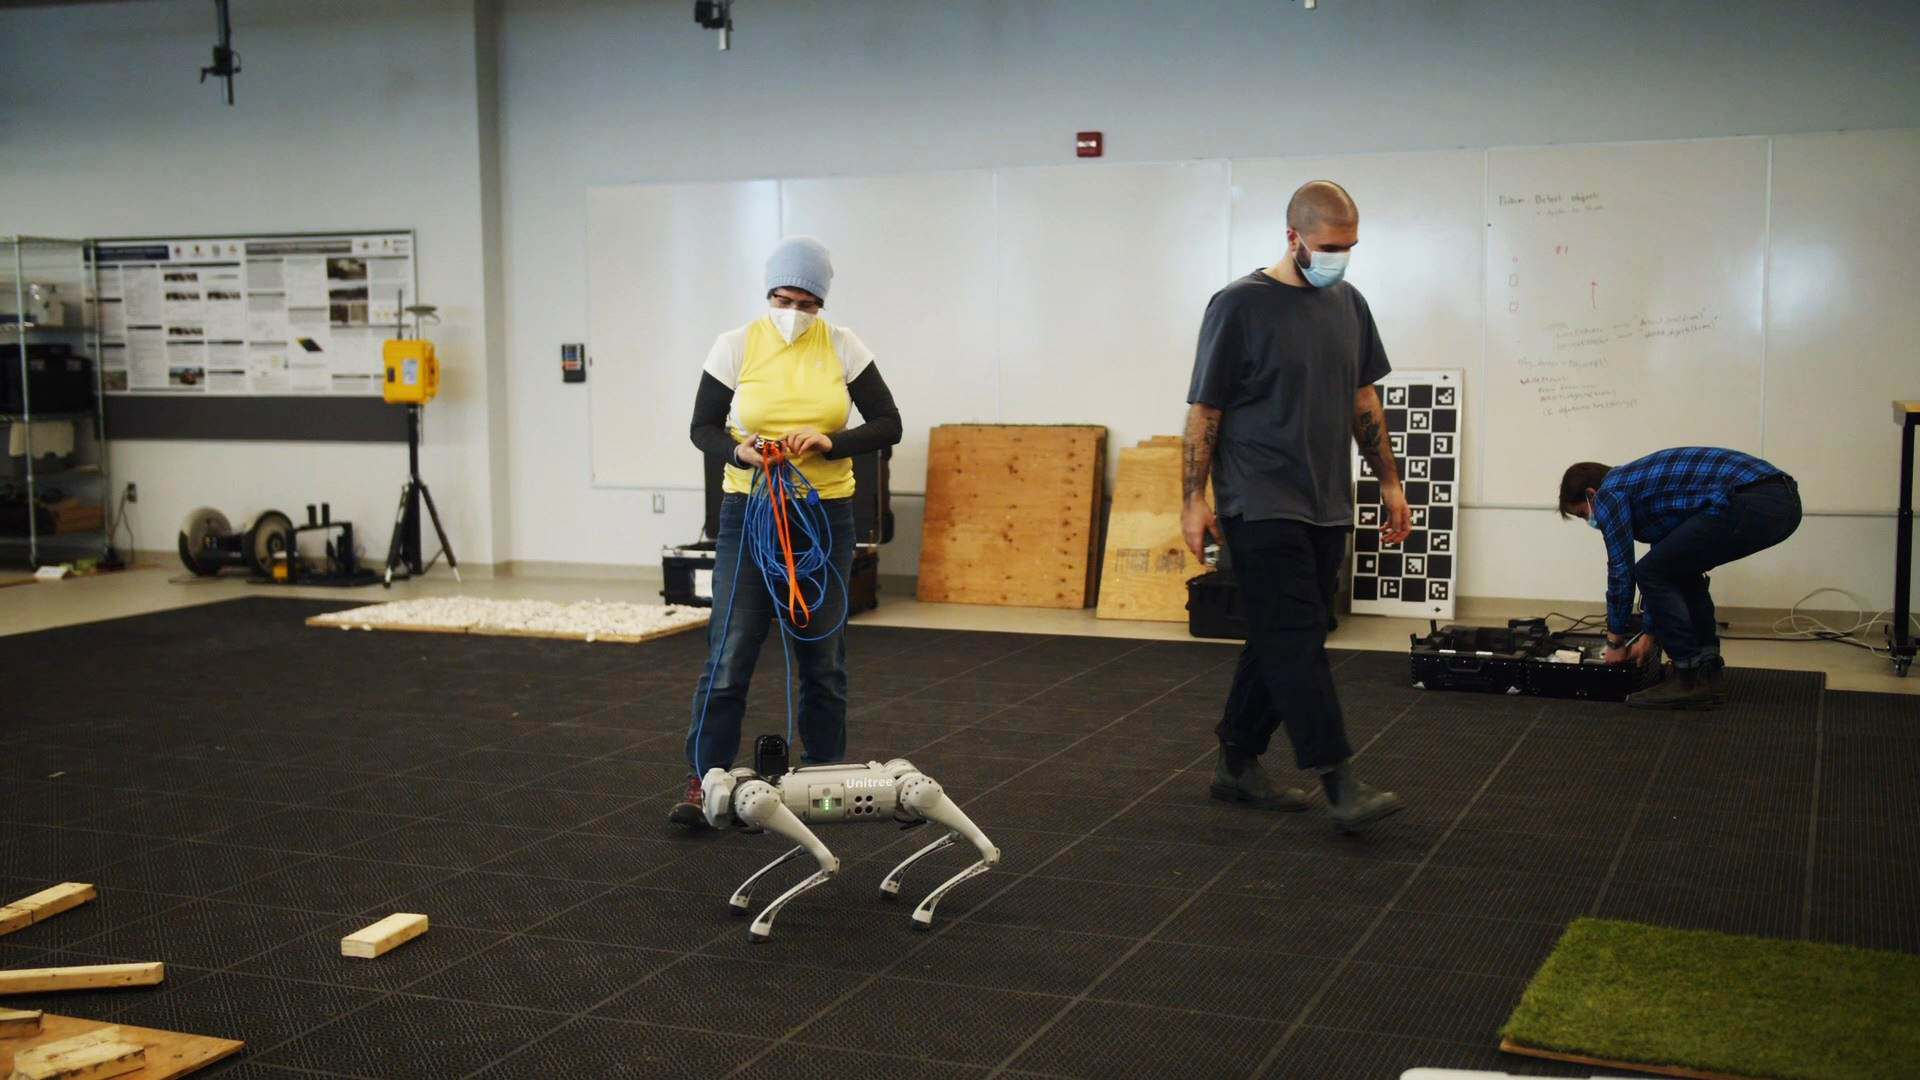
point(1145, 565)
point(92, 1055)
point(384, 936)
point(18, 1023)
point(86, 977)
point(1012, 515)
point(1510, 1047)
point(169, 1053)
point(44, 905)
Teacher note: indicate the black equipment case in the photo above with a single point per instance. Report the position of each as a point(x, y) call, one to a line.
point(1520, 659)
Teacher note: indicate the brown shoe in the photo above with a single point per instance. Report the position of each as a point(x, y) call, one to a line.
point(1683, 689)
point(690, 812)
point(1715, 672)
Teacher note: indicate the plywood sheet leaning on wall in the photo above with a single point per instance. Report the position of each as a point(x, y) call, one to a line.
point(1013, 515)
point(1146, 564)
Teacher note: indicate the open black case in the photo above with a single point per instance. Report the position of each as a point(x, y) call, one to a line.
point(1525, 657)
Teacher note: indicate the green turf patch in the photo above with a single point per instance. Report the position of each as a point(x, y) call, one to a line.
point(1744, 1006)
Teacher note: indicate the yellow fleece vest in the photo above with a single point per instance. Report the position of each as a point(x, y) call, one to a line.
point(783, 388)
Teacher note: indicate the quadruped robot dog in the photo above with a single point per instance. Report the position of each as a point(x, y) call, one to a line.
point(788, 802)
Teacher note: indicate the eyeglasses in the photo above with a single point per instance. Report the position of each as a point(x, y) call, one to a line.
point(811, 307)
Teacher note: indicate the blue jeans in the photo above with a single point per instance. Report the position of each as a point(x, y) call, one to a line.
point(1672, 576)
point(743, 611)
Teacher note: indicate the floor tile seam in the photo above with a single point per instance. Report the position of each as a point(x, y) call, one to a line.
point(1366, 935)
point(382, 997)
point(1633, 823)
point(1031, 766)
point(941, 930)
point(1813, 817)
point(1053, 1021)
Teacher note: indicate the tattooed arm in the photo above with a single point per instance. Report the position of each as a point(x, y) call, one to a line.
point(1196, 458)
point(1370, 434)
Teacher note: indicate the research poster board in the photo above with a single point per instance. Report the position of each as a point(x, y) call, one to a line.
point(252, 316)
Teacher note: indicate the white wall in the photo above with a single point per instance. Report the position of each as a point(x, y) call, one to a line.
point(357, 112)
point(351, 114)
point(601, 92)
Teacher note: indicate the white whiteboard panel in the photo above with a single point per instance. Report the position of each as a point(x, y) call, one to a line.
point(1843, 322)
point(1623, 297)
point(1104, 273)
point(913, 276)
point(670, 267)
point(1419, 258)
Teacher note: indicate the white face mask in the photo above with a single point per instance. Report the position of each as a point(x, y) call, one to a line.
point(1323, 268)
point(791, 322)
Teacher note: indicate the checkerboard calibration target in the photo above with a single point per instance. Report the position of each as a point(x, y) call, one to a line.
point(1415, 577)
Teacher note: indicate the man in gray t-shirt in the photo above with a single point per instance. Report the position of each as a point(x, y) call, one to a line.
point(1282, 380)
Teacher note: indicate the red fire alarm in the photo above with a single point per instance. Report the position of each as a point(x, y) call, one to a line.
point(1089, 143)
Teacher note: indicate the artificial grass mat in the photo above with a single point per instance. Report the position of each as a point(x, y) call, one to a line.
point(1625, 993)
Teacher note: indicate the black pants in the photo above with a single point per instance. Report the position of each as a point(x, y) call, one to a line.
point(1672, 575)
point(1287, 573)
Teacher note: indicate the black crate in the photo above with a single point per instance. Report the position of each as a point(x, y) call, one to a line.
point(1487, 659)
point(1590, 679)
point(687, 573)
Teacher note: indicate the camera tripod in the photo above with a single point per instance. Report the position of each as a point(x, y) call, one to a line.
point(404, 549)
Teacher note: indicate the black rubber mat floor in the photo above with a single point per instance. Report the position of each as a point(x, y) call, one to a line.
point(246, 790)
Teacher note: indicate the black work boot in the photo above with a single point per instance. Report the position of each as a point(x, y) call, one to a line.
point(1684, 688)
point(1714, 670)
point(1352, 804)
point(1238, 777)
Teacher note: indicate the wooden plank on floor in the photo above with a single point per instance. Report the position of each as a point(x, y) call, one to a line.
point(169, 1054)
point(1510, 1047)
point(19, 1023)
point(1145, 565)
point(13, 918)
point(384, 936)
point(87, 977)
point(1012, 515)
point(92, 1055)
point(45, 904)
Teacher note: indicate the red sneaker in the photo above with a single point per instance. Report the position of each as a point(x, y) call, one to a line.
point(690, 811)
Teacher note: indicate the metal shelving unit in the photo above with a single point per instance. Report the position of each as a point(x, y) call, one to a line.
point(48, 307)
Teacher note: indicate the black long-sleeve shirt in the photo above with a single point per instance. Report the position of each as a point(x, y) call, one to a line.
point(880, 426)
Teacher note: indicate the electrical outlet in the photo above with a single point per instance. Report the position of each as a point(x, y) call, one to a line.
point(133, 492)
point(659, 503)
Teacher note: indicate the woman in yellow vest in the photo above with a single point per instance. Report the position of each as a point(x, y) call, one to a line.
point(790, 376)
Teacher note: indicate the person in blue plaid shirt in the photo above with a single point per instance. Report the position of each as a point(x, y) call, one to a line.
point(1699, 507)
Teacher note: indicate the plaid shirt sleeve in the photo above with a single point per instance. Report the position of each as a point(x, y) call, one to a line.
point(1615, 516)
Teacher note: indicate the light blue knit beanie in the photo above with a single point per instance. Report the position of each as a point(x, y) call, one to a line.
point(800, 262)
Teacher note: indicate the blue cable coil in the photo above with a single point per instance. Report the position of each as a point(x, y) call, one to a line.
point(813, 568)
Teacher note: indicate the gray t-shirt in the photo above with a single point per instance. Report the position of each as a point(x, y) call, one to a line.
point(1282, 364)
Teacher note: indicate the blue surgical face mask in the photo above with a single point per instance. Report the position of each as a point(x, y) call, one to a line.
point(1592, 522)
point(1322, 268)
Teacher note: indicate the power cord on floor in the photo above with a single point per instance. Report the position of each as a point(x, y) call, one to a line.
point(1796, 626)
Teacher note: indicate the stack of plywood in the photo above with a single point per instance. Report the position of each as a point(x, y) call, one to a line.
point(1013, 515)
point(1144, 570)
